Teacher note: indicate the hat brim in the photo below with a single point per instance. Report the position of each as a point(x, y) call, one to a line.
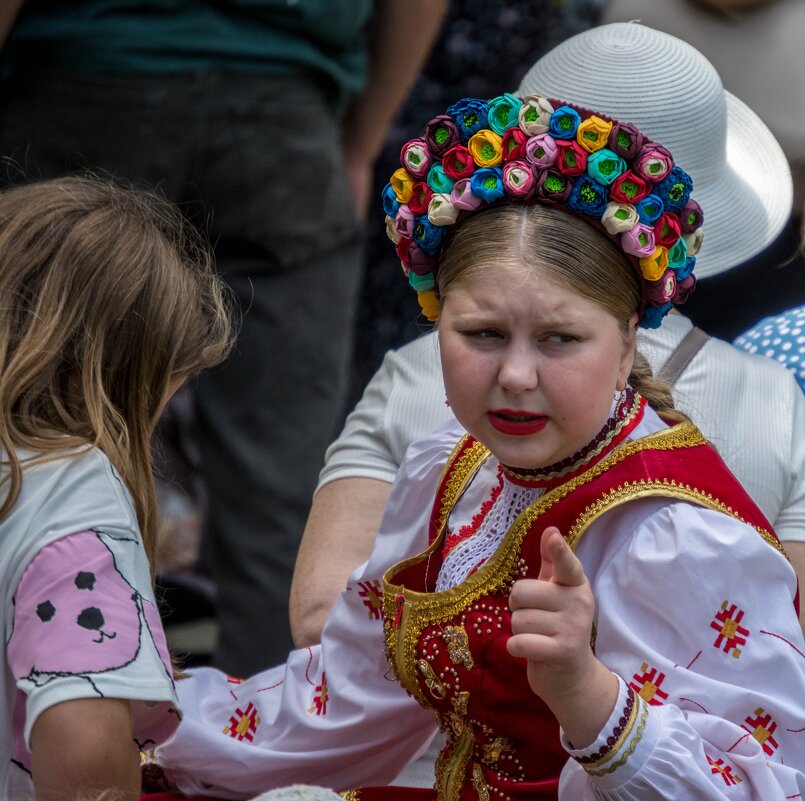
point(672, 93)
point(748, 204)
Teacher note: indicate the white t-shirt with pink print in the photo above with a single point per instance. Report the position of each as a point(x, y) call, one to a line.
point(79, 615)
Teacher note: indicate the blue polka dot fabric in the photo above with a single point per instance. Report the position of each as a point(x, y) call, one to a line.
point(781, 338)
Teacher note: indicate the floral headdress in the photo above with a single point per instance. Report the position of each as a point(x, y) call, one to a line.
point(534, 150)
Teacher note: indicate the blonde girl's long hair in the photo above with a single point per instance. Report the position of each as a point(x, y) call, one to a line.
point(107, 294)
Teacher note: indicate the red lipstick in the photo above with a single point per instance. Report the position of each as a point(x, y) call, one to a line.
point(517, 423)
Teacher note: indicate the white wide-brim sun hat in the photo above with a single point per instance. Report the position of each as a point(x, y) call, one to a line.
point(672, 93)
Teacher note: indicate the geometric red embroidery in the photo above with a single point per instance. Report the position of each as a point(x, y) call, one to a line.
point(647, 685)
point(321, 698)
point(243, 724)
point(730, 631)
point(372, 595)
point(762, 728)
point(725, 769)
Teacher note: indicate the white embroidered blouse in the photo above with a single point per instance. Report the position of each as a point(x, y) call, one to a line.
point(694, 614)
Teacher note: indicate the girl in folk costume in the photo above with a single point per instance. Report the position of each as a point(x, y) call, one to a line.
point(582, 598)
point(108, 301)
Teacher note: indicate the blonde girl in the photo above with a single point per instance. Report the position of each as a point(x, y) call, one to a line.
point(108, 302)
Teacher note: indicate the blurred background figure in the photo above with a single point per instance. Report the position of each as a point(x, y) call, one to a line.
point(756, 46)
point(262, 118)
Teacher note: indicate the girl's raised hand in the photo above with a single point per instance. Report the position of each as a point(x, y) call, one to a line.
point(552, 618)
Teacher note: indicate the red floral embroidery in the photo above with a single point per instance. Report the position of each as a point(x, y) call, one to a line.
point(243, 723)
point(761, 726)
point(321, 698)
point(372, 594)
point(724, 769)
point(731, 633)
point(647, 685)
point(453, 539)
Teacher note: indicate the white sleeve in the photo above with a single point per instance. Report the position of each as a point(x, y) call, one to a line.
point(333, 715)
point(695, 616)
point(403, 402)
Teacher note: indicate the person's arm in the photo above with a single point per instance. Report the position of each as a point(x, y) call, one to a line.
point(339, 535)
point(85, 746)
point(401, 36)
point(8, 13)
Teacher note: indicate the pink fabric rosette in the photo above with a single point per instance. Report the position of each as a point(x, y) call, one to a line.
point(639, 241)
point(519, 180)
point(541, 150)
point(462, 196)
point(415, 157)
point(405, 222)
point(654, 162)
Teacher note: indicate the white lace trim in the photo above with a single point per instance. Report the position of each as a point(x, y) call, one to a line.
point(475, 550)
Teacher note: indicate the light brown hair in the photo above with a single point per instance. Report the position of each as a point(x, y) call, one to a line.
point(107, 294)
point(567, 250)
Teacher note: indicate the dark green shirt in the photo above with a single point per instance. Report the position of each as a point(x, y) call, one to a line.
point(325, 37)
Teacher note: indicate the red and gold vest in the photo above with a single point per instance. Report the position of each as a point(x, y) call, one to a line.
point(448, 648)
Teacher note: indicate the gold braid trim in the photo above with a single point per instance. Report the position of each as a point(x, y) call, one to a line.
point(351, 795)
point(633, 490)
point(462, 471)
point(632, 745)
point(451, 766)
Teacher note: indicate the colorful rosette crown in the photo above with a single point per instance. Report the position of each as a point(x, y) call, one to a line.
point(536, 150)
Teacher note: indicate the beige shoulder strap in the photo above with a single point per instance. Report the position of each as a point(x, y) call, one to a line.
point(690, 345)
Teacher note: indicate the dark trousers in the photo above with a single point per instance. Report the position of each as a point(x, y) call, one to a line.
point(255, 160)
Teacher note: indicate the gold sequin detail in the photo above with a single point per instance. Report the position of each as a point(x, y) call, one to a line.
point(479, 783)
point(432, 681)
point(494, 750)
point(458, 646)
